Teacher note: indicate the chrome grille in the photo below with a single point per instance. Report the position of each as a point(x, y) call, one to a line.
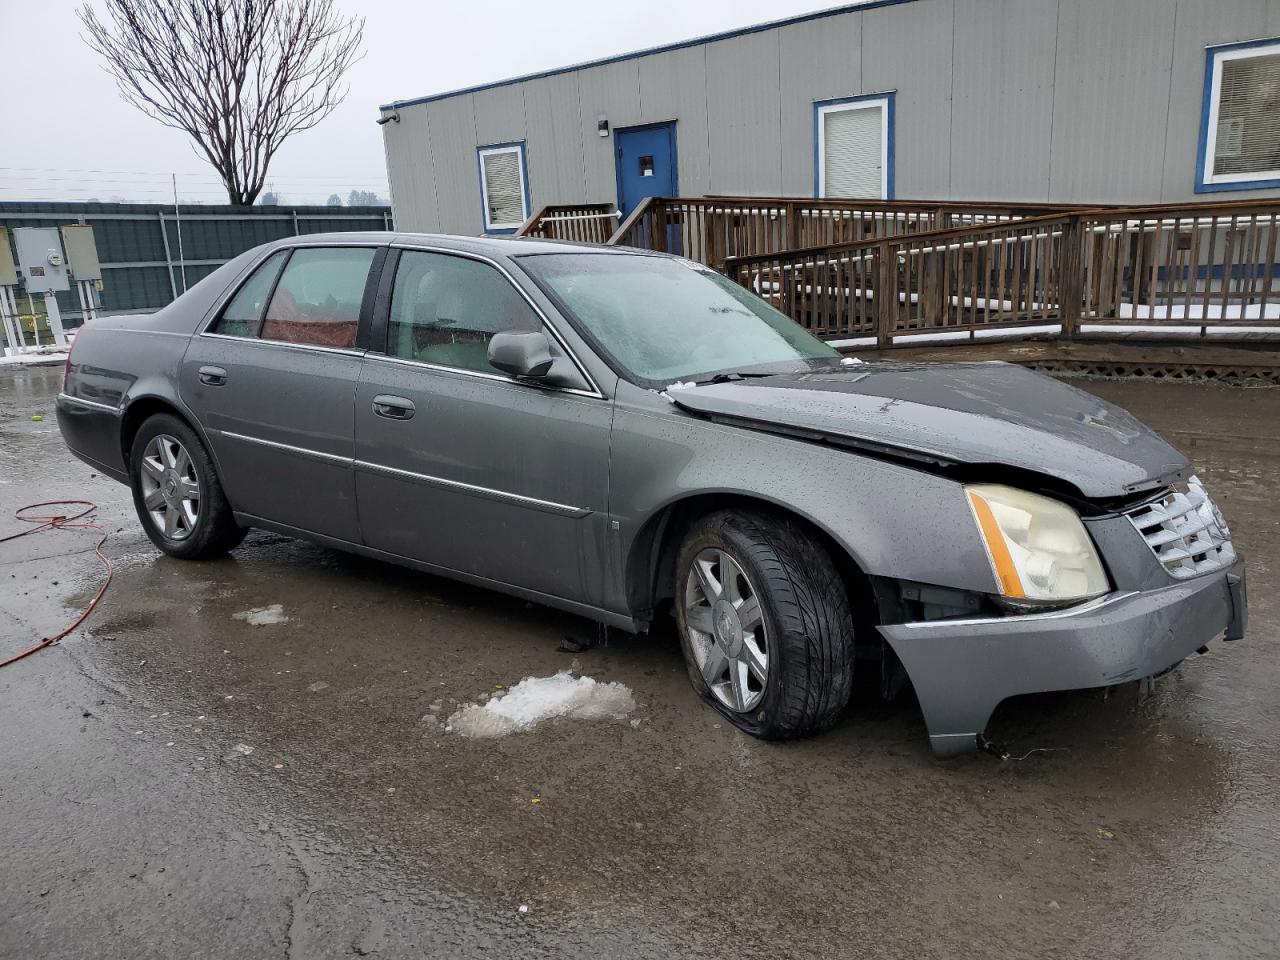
point(1185, 531)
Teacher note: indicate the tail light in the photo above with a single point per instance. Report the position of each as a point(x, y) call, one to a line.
point(66, 366)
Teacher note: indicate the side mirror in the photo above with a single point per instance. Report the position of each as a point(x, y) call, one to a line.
point(521, 354)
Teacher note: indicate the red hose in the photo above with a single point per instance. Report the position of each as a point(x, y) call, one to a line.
point(62, 521)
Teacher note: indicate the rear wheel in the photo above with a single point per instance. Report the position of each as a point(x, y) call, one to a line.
point(177, 494)
point(765, 624)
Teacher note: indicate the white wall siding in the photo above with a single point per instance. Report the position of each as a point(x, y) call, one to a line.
point(557, 167)
point(745, 140)
point(1111, 100)
point(1002, 91)
point(819, 60)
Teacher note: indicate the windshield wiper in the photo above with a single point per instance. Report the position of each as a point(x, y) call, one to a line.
point(733, 375)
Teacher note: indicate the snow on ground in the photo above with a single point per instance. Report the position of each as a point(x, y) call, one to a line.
point(535, 699)
point(262, 616)
point(44, 358)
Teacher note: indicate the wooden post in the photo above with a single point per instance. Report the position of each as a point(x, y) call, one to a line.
point(886, 294)
point(1071, 275)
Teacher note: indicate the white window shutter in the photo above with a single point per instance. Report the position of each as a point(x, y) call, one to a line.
point(504, 193)
point(1248, 134)
point(853, 153)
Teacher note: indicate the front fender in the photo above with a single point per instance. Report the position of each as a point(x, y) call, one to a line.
point(894, 521)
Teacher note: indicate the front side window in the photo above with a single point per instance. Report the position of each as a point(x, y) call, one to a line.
point(504, 189)
point(1240, 128)
point(444, 310)
point(243, 314)
point(317, 300)
point(664, 320)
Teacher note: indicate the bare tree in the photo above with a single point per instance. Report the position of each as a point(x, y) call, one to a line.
point(237, 76)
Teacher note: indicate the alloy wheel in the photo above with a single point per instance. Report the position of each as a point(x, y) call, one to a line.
point(170, 488)
point(726, 628)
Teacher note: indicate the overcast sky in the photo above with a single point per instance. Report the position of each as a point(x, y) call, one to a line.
point(66, 135)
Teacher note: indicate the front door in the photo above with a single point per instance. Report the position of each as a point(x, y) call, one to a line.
point(646, 164)
point(463, 468)
point(272, 383)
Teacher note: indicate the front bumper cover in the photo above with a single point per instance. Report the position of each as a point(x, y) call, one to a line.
point(962, 669)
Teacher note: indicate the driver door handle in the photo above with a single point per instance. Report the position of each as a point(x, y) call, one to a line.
point(393, 408)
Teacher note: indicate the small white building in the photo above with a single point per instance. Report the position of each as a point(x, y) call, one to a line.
point(1072, 101)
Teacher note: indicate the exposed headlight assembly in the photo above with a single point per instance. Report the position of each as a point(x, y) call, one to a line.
point(1038, 548)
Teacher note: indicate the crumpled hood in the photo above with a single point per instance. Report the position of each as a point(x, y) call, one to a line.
point(970, 413)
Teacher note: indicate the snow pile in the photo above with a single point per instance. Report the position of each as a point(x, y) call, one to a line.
point(535, 699)
point(262, 616)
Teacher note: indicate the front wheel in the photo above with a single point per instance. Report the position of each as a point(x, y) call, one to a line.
point(177, 494)
point(765, 623)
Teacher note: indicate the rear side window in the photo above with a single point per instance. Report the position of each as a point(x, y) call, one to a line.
point(240, 318)
point(444, 310)
point(317, 300)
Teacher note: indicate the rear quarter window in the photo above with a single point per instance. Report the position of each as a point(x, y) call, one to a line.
point(243, 313)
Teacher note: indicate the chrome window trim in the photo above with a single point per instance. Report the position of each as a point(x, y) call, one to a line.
point(462, 371)
point(547, 506)
point(94, 404)
point(595, 390)
point(287, 447)
point(319, 348)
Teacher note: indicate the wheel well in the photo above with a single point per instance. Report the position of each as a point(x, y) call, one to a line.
point(137, 413)
point(651, 566)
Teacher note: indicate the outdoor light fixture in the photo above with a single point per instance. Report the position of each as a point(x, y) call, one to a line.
point(602, 126)
point(388, 117)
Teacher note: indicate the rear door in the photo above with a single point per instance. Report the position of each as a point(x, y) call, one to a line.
point(462, 467)
point(272, 381)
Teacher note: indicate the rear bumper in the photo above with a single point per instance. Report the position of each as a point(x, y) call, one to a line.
point(91, 431)
point(962, 669)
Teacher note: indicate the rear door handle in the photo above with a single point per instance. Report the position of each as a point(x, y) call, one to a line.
point(213, 376)
point(393, 408)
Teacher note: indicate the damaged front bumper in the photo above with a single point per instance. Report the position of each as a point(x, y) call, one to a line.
point(962, 669)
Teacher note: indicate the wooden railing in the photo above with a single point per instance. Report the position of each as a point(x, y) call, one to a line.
point(963, 279)
point(713, 229)
point(580, 222)
point(1196, 266)
point(1201, 264)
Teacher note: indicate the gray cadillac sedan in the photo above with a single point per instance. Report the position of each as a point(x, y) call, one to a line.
point(619, 434)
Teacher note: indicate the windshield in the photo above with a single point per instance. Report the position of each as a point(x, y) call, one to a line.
point(665, 320)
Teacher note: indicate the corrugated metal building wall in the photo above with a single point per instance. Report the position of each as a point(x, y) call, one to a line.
point(1010, 100)
point(139, 250)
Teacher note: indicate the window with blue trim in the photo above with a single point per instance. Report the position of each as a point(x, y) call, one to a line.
point(1240, 126)
point(853, 147)
point(504, 187)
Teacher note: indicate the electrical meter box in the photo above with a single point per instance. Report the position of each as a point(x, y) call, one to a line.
point(8, 275)
point(40, 259)
point(82, 251)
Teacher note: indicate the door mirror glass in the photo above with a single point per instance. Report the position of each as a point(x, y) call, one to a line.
point(521, 354)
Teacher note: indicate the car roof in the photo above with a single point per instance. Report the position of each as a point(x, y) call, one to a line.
point(492, 246)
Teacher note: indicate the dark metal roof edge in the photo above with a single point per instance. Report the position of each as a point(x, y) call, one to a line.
point(648, 52)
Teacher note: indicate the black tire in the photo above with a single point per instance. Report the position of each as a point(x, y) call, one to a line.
point(805, 613)
point(215, 530)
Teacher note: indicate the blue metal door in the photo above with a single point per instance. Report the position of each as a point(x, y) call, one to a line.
point(646, 163)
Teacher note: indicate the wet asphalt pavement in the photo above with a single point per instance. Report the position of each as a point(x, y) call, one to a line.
point(134, 824)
